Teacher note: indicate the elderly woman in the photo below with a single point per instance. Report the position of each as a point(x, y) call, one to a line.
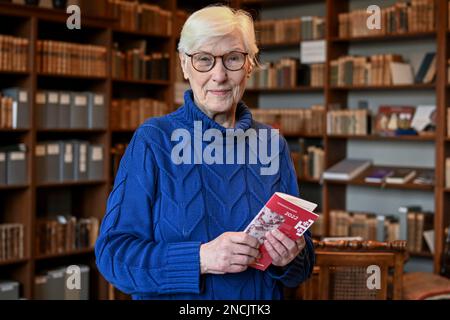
point(174, 229)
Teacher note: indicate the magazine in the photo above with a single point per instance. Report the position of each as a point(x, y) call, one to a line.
point(291, 215)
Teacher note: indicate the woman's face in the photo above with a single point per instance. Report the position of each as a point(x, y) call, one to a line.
point(218, 90)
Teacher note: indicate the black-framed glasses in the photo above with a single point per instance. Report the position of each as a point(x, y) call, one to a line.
point(204, 62)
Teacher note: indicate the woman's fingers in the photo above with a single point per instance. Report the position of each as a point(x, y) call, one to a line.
point(277, 245)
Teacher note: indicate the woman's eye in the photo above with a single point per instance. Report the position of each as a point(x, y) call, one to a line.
point(204, 59)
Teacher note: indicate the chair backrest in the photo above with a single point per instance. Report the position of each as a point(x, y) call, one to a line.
point(356, 270)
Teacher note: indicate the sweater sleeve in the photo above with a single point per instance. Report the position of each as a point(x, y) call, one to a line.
point(126, 252)
point(299, 269)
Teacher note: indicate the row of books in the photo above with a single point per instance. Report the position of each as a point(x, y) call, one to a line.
point(348, 122)
point(136, 65)
point(13, 164)
point(402, 17)
point(136, 16)
point(65, 234)
point(130, 113)
point(411, 223)
point(419, 221)
point(69, 109)
point(65, 58)
point(293, 121)
point(286, 73)
point(52, 284)
point(11, 241)
point(390, 120)
point(14, 109)
point(68, 160)
point(353, 224)
point(13, 53)
point(309, 165)
point(349, 169)
point(290, 30)
point(381, 70)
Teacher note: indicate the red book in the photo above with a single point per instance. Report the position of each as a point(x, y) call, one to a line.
point(291, 215)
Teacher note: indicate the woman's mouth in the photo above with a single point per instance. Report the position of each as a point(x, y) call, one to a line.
point(219, 92)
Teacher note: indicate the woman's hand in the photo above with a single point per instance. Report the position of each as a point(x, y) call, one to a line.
point(230, 252)
point(281, 248)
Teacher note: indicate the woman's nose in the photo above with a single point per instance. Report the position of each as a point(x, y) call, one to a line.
point(219, 73)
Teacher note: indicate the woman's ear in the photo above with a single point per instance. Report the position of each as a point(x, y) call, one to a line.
point(183, 65)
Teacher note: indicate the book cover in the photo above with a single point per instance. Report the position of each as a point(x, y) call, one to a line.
point(378, 175)
point(347, 169)
point(401, 176)
point(291, 215)
point(392, 120)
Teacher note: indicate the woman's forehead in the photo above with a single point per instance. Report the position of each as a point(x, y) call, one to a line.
point(223, 44)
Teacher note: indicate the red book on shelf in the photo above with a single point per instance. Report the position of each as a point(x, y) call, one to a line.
point(291, 215)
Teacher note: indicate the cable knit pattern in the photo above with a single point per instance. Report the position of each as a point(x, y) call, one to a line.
point(159, 213)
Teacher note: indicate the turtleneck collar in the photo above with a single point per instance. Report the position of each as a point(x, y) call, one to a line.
point(191, 112)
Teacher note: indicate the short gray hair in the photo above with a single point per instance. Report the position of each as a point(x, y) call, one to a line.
point(216, 21)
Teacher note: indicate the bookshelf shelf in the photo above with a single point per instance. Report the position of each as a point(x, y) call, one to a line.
point(67, 76)
point(69, 184)
point(3, 130)
point(309, 180)
point(65, 254)
point(421, 254)
point(71, 131)
point(301, 135)
point(273, 3)
point(14, 187)
point(388, 37)
point(283, 45)
point(13, 261)
point(143, 82)
point(14, 73)
point(123, 130)
point(285, 90)
point(359, 181)
point(141, 34)
point(384, 138)
point(425, 86)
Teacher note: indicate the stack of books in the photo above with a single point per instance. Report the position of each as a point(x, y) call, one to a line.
point(13, 53)
point(65, 58)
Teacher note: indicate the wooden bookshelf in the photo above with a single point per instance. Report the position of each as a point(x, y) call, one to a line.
point(404, 138)
point(425, 86)
point(20, 202)
point(335, 146)
point(285, 90)
point(65, 254)
point(387, 37)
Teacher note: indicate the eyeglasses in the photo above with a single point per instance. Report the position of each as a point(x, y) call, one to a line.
point(204, 62)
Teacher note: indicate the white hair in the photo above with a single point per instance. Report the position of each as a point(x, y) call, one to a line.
point(217, 21)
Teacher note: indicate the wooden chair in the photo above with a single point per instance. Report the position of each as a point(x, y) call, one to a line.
point(341, 271)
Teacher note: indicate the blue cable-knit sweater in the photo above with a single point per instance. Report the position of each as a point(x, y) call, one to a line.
point(159, 213)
